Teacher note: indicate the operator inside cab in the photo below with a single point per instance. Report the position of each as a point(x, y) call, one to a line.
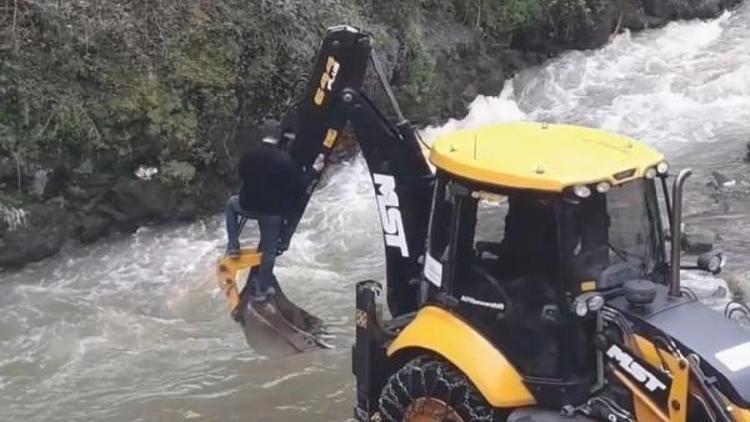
point(529, 245)
point(522, 247)
point(586, 236)
point(533, 225)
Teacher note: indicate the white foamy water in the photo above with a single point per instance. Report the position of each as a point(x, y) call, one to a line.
point(134, 329)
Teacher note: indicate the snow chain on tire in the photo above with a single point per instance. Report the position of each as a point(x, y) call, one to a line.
point(429, 388)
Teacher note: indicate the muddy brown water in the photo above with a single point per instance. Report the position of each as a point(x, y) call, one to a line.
point(133, 328)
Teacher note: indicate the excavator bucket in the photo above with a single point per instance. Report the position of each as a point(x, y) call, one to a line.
point(275, 327)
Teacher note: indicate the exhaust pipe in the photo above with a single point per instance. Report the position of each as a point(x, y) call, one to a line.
point(676, 226)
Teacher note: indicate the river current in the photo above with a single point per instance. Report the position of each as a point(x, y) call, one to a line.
point(134, 329)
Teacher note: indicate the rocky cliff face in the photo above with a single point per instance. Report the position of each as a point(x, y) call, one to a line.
point(117, 114)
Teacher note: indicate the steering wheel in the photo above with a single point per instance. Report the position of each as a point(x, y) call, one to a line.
point(493, 248)
point(495, 283)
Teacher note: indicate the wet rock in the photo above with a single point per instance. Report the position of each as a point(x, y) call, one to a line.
point(515, 60)
point(696, 244)
point(90, 187)
point(92, 227)
point(213, 194)
point(8, 170)
point(634, 17)
point(697, 240)
point(187, 210)
point(490, 78)
point(568, 26)
point(721, 180)
point(703, 9)
point(42, 236)
point(470, 92)
point(710, 290)
point(141, 200)
point(658, 8)
point(119, 219)
point(590, 24)
point(686, 9)
point(29, 245)
point(698, 9)
point(739, 283)
point(603, 21)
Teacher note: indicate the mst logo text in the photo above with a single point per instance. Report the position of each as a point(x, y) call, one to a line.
point(390, 214)
point(641, 374)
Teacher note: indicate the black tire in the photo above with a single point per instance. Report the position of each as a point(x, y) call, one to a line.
point(424, 384)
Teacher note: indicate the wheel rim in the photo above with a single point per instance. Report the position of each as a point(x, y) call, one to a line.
point(429, 409)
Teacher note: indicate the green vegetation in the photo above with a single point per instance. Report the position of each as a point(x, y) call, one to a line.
point(419, 68)
point(499, 19)
point(177, 173)
point(176, 81)
point(421, 81)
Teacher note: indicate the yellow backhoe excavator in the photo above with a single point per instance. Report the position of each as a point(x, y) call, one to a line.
point(529, 277)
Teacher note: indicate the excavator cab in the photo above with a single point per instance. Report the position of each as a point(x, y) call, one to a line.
point(546, 293)
point(508, 256)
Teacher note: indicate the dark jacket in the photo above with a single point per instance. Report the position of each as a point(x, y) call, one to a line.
point(272, 182)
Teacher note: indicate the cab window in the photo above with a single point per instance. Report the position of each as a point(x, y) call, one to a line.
point(516, 234)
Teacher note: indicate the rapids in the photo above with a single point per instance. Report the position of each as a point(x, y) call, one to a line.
point(134, 329)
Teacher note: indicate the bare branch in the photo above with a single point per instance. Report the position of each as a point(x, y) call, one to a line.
point(17, 156)
point(14, 38)
point(479, 13)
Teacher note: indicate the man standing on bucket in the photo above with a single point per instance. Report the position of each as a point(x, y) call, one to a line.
point(272, 184)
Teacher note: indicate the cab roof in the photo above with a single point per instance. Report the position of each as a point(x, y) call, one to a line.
point(538, 156)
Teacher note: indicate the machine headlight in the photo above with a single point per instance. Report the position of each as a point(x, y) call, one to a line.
point(603, 187)
point(650, 173)
point(712, 262)
point(587, 302)
point(582, 191)
point(662, 167)
point(595, 303)
point(581, 308)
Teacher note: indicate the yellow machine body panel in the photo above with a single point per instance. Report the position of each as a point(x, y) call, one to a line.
point(445, 334)
point(739, 414)
point(680, 391)
point(226, 273)
point(528, 155)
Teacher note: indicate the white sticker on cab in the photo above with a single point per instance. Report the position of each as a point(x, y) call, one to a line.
point(735, 358)
point(433, 270)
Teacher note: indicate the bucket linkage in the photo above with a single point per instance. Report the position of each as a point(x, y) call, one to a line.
point(279, 315)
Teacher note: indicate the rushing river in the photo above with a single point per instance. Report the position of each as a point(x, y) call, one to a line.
point(134, 329)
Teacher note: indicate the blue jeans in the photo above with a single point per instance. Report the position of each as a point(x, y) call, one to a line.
point(270, 233)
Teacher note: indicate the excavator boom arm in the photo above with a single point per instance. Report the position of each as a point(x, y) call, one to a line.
point(401, 176)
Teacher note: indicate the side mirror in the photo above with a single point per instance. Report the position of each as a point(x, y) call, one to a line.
point(713, 262)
